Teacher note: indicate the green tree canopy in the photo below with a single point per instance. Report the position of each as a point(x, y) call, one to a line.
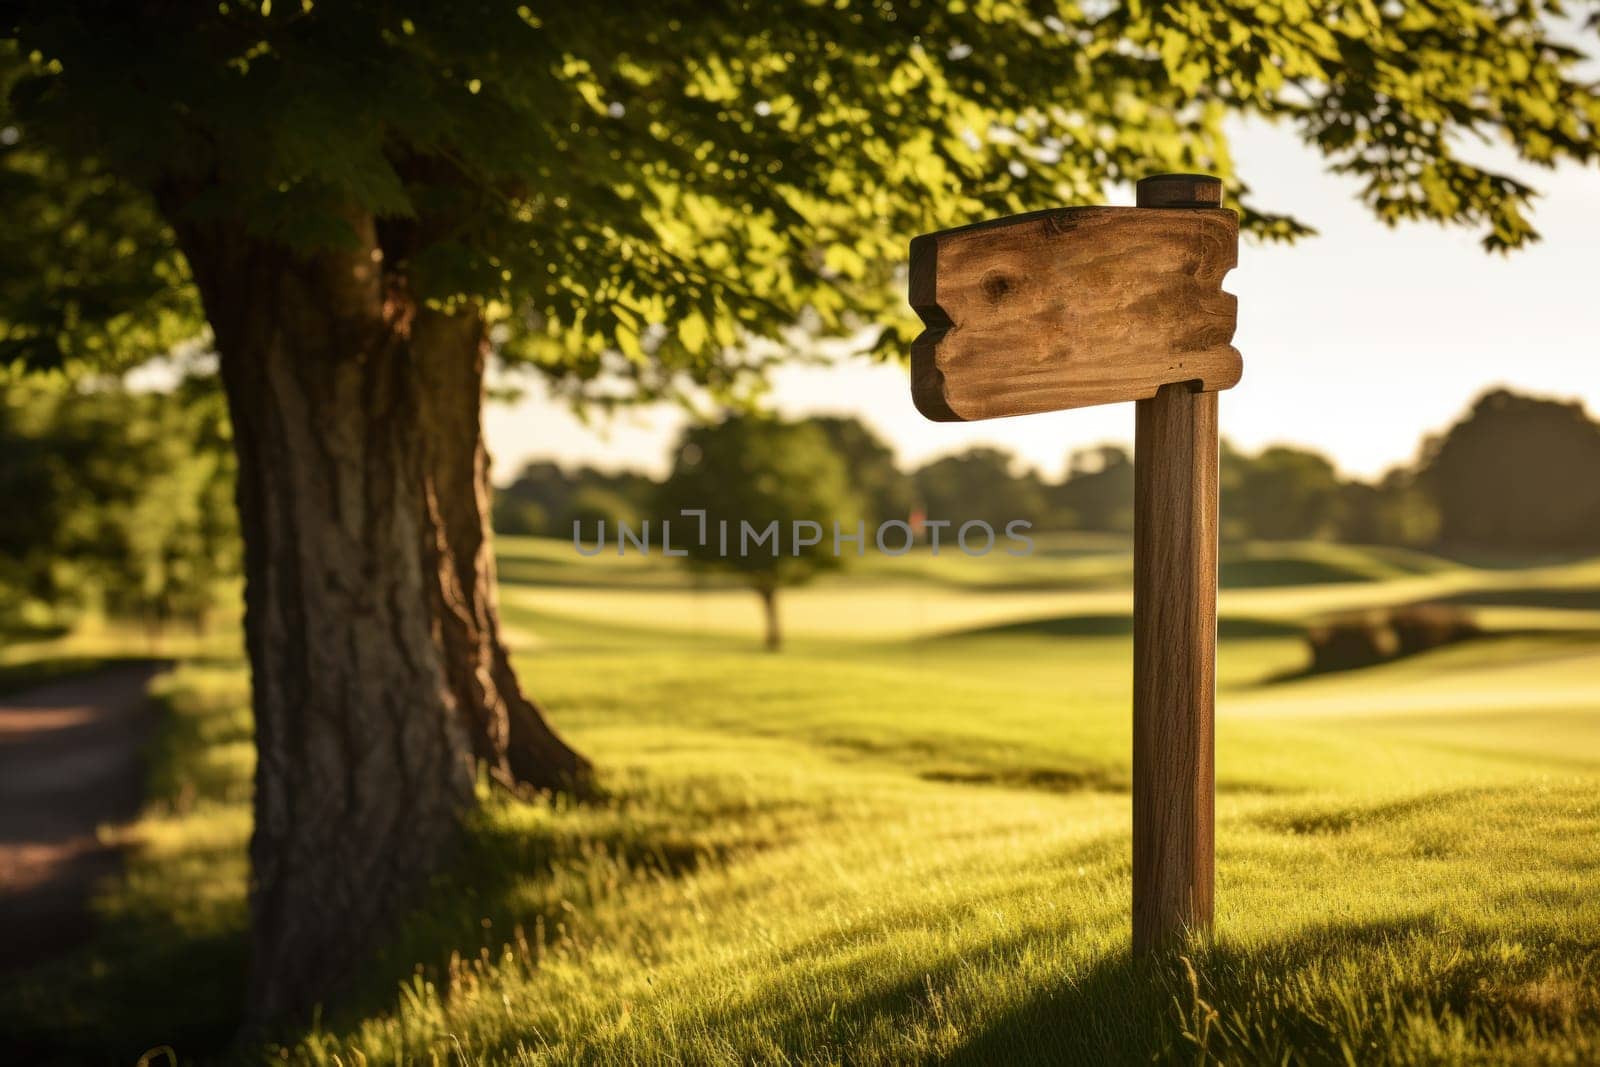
point(1516, 474)
point(1097, 493)
point(117, 501)
point(1394, 510)
point(592, 505)
point(542, 498)
point(765, 479)
point(883, 488)
point(1279, 494)
point(979, 484)
point(627, 187)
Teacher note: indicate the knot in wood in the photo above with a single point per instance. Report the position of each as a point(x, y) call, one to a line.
point(995, 285)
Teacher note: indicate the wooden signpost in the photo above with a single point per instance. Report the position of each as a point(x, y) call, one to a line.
point(1099, 305)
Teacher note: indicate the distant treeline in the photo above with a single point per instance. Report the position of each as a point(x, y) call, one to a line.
point(122, 502)
point(1515, 475)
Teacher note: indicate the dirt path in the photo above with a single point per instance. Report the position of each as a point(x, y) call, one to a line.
point(69, 764)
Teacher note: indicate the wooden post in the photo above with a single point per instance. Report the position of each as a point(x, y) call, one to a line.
point(1075, 306)
point(1174, 637)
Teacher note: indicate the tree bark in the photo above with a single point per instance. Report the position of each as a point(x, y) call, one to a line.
point(509, 730)
point(379, 675)
point(769, 607)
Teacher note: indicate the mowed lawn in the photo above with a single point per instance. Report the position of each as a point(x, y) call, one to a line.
point(906, 837)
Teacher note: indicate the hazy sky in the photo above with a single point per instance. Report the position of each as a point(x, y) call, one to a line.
point(1355, 342)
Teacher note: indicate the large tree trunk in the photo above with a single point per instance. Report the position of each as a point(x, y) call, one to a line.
point(378, 671)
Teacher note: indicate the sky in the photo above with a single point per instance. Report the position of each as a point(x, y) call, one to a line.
point(1356, 342)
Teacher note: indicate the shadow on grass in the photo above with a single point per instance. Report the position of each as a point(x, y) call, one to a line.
point(15, 631)
point(1344, 818)
point(155, 978)
point(1181, 1005)
point(17, 677)
point(145, 981)
point(1270, 572)
point(1577, 598)
point(1121, 625)
point(1490, 560)
point(1301, 674)
point(1402, 989)
point(1087, 780)
point(1336, 993)
point(1045, 779)
point(525, 886)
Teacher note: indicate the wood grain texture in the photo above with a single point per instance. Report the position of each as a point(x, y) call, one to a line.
point(1072, 307)
point(1174, 663)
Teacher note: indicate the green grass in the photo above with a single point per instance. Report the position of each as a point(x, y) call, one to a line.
point(906, 838)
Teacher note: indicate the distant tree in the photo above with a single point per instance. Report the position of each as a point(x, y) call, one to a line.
point(1517, 473)
point(1392, 511)
point(593, 505)
point(1097, 493)
point(1280, 494)
point(885, 491)
point(638, 490)
point(543, 485)
point(116, 500)
point(763, 475)
point(516, 517)
point(30, 507)
point(980, 483)
point(543, 497)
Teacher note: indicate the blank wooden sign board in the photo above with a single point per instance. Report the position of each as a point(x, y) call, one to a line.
point(1099, 305)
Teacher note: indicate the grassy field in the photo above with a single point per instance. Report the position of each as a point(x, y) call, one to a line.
point(906, 837)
